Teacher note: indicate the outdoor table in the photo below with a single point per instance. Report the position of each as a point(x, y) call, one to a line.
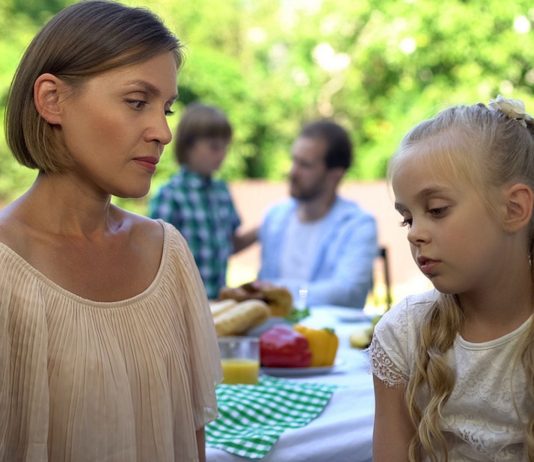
point(343, 431)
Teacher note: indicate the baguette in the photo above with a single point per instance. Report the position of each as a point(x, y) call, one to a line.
point(219, 307)
point(241, 317)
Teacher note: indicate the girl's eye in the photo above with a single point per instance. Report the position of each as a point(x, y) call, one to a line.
point(169, 112)
point(438, 212)
point(406, 222)
point(136, 104)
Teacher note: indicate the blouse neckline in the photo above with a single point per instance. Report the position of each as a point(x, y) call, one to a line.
point(495, 342)
point(86, 301)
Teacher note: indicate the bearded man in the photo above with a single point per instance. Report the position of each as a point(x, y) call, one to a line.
point(317, 244)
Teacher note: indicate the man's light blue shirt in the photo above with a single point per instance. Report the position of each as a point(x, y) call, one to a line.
point(341, 271)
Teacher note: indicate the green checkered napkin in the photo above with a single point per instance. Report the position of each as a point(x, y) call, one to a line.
point(252, 417)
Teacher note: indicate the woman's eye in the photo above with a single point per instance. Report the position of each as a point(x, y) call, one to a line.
point(169, 112)
point(406, 222)
point(136, 104)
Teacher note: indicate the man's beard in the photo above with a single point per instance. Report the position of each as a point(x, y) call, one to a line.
point(305, 194)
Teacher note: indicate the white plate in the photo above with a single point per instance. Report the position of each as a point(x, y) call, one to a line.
point(343, 314)
point(301, 371)
point(268, 324)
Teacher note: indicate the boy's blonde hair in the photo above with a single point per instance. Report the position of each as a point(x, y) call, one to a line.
point(488, 149)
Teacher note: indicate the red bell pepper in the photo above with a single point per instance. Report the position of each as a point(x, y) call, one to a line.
point(281, 346)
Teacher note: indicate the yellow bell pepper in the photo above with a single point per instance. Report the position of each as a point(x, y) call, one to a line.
point(323, 344)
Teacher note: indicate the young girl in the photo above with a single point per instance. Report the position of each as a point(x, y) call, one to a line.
point(454, 368)
point(107, 346)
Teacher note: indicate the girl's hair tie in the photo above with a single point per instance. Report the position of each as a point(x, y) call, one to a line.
point(512, 108)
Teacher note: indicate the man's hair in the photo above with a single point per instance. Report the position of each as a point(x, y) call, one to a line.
point(338, 144)
point(199, 121)
point(81, 41)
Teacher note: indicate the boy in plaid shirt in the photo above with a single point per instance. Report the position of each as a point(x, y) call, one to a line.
point(199, 206)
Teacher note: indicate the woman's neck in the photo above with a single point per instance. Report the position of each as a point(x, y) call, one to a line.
point(59, 206)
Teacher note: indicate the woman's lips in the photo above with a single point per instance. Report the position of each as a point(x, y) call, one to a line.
point(148, 163)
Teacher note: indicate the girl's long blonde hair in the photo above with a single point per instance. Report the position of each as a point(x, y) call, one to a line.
point(488, 149)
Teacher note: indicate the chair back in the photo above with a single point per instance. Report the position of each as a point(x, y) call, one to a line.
point(383, 256)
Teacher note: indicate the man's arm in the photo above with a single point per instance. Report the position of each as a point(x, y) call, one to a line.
point(393, 428)
point(242, 240)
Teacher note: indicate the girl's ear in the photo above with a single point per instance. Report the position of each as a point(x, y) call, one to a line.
point(47, 95)
point(519, 201)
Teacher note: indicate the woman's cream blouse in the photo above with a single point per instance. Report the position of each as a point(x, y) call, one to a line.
point(126, 381)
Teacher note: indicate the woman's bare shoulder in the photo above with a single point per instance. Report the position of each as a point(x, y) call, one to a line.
point(11, 229)
point(142, 229)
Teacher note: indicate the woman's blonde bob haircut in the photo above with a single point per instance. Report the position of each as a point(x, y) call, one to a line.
point(81, 41)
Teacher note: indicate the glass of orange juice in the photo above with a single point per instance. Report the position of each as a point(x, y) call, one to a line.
point(240, 359)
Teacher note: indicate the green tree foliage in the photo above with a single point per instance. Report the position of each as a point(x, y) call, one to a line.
point(378, 67)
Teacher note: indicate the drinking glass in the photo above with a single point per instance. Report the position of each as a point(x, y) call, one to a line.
point(240, 359)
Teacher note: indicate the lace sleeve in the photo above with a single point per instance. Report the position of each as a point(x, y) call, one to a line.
point(394, 344)
point(383, 367)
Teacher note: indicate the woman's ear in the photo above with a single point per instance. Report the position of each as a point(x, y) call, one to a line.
point(47, 95)
point(519, 202)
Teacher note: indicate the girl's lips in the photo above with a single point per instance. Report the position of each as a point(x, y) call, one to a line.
point(427, 265)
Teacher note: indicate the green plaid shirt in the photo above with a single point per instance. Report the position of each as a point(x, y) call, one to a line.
point(203, 211)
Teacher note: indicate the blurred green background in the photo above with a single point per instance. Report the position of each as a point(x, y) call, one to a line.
point(377, 67)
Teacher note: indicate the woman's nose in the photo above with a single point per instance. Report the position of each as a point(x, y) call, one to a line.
point(159, 130)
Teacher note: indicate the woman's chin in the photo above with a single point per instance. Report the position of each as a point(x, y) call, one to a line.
point(136, 193)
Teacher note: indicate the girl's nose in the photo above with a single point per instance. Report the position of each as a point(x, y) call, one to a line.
point(417, 234)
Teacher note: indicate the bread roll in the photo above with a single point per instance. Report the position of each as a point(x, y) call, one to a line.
point(241, 317)
point(239, 294)
point(219, 307)
point(278, 299)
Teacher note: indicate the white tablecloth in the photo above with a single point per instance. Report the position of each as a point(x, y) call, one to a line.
point(343, 432)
